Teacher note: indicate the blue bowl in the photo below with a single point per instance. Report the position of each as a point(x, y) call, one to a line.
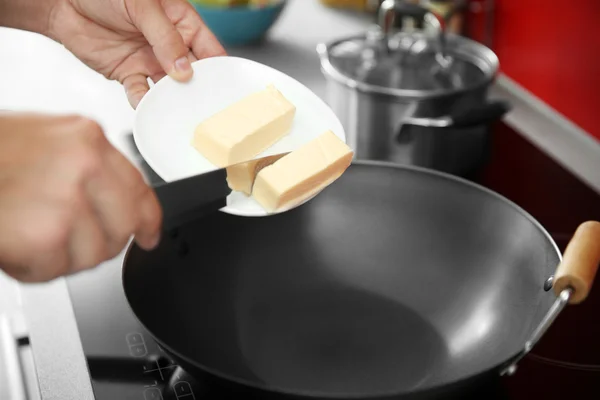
point(237, 26)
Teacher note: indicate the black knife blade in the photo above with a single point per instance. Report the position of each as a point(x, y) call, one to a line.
point(187, 199)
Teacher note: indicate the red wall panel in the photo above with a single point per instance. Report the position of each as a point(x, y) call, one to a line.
point(552, 48)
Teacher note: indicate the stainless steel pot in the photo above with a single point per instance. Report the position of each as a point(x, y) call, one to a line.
point(412, 97)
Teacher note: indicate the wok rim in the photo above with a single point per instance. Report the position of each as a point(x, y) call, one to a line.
point(340, 395)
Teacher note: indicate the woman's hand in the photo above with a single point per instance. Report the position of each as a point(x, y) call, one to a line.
point(68, 199)
point(132, 40)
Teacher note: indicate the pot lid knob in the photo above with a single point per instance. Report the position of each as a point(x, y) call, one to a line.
point(392, 10)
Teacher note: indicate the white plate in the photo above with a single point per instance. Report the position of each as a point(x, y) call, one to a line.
point(168, 114)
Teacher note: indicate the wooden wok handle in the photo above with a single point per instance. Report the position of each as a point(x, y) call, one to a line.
point(580, 262)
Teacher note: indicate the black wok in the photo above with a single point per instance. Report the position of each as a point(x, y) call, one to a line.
point(392, 282)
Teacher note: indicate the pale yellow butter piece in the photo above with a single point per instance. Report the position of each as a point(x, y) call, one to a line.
point(245, 129)
point(302, 174)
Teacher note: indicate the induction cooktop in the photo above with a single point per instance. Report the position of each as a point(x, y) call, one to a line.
point(125, 363)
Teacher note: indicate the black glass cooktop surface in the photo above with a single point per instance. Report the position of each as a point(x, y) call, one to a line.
point(125, 363)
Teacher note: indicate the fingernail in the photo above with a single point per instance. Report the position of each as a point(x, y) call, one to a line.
point(134, 98)
point(183, 65)
point(135, 101)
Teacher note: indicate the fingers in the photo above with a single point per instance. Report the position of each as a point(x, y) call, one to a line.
point(37, 270)
point(32, 239)
point(88, 246)
point(115, 204)
point(123, 213)
point(117, 194)
point(69, 200)
point(143, 200)
point(204, 44)
point(177, 38)
point(136, 86)
point(166, 41)
point(157, 77)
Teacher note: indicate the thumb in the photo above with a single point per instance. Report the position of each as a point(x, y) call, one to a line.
point(166, 41)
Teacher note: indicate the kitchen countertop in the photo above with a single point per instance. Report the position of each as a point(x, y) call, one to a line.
point(39, 75)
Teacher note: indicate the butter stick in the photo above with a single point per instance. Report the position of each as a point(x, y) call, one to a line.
point(244, 129)
point(302, 173)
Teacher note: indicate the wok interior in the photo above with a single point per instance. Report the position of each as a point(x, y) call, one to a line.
point(390, 280)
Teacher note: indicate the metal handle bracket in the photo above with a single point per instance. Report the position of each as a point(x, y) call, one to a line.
point(559, 304)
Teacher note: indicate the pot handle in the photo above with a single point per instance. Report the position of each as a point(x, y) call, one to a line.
point(580, 263)
point(481, 114)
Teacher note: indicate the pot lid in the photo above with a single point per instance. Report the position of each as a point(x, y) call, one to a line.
point(409, 64)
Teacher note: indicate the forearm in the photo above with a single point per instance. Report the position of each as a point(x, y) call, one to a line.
point(29, 15)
